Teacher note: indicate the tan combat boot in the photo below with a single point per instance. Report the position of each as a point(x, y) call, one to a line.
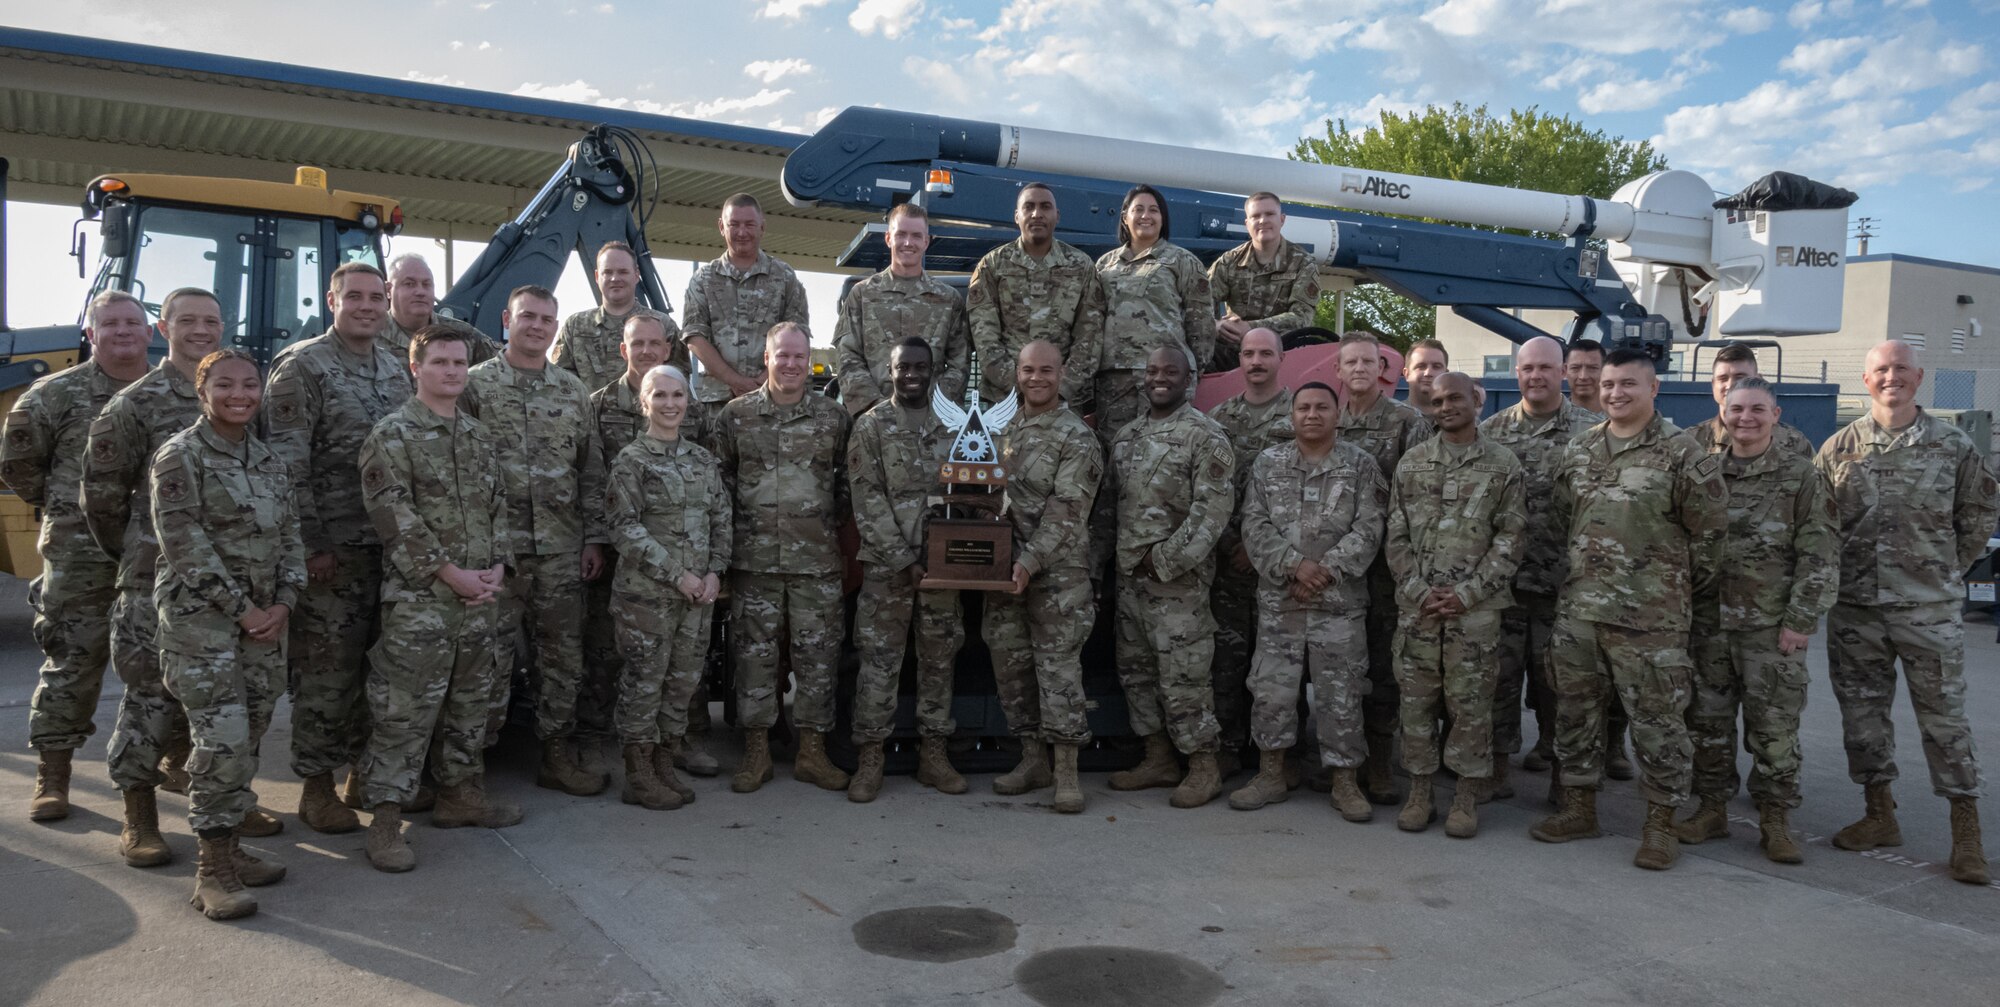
point(934, 768)
point(218, 893)
point(1658, 849)
point(321, 810)
point(173, 763)
point(1032, 773)
point(139, 842)
point(387, 849)
point(1069, 792)
point(51, 800)
point(812, 766)
point(467, 803)
point(258, 824)
point(1344, 794)
point(1379, 775)
point(1710, 821)
point(1158, 769)
point(1462, 822)
point(665, 757)
point(1576, 820)
point(756, 768)
point(559, 771)
point(642, 781)
point(1877, 825)
point(1538, 757)
point(692, 755)
point(1498, 785)
point(867, 782)
point(1419, 811)
point(1203, 782)
point(1774, 830)
point(1267, 787)
point(423, 800)
point(254, 873)
point(1968, 854)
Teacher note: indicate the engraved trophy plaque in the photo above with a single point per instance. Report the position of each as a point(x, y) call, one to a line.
point(968, 541)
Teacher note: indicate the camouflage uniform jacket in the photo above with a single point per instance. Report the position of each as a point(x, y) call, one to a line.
point(1646, 526)
point(229, 537)
point(1158, 297)
point(1457, 519)
point(882, 311)
point(1538, 442)
point(1251, 429)
point(1785, 438)
point(1781, 560)
point(1330, 511)
point(115, 499)
point(785, 466)
point(620, 420)
point(669, 515)
point(892, 470)
point(323, 401)
point(1916, 508)
point(734, 309)
point(547, 437)
point(587, 345)
point(42, 460)
point(1174, 478)
point(1387, 430)
point(478, 349)
point(1016, 299)
point(1281, 296)
point(435, 493)
point(1054, 466)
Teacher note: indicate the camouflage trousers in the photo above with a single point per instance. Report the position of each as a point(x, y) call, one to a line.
point(1332, 647)
point(603, 659)
point(1119, 401)
point(1743, 668)
point(664, 642)
point(1381, 709)
point(336, 622)
point(1651, 671)
point(1524, 668)
point(888, 608)
point(431, 680)
point(766, 608)
point(72, 602)
point(1864, 644)
point(1166, 643)
point(150, 719)
point(1233, 601)
point(1036, 640)
point(229, 697)
point(541, 615)
point(1447, 668)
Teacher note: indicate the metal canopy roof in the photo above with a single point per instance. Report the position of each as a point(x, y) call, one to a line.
point(461, 161)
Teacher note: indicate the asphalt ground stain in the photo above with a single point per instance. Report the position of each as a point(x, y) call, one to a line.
point(934, 933)
point(1109, 976)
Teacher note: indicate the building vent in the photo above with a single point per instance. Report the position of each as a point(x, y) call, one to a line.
point(1915, 339)
point(1958, 340)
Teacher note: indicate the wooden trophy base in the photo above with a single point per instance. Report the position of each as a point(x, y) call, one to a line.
point(968, 554)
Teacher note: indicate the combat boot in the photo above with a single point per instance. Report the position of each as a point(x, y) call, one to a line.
point(590, 754)
point(559, 771)
point(173, 763)
point(692, 755)
point(1538, 757)
point(352, 793)
point(1419, 811)
point(1877, 826)
point(1344, 794)
point(934, 768)
point(756, 768)
point(1462, 822)
point(867, 781)
point(1775, 835)
point(812, 766)
point(254, 873)
point(1617, 765)
point(663, 767)
point(642, 781)
point(387, 849)
point(1032, 773)
point(321, 810)
point(140, 842)
point(1069, 793)
point(1228, 762)
point(1498, 785)
point(1658, 848)
point(1379, 770)
point(1710, 821)
point(51, 800)
point(1158, 769)
point(1576, 820)
point(1203, 782)
point(1267, 787)
point(218, 893)
point(467, 803)
point(423, 800)
point(1968, 854)
point(259, 824)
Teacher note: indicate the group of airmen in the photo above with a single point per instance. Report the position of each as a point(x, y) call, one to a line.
point(404, 511)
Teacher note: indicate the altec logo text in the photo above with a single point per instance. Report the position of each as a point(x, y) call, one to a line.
point(1806, 255)
point(1373, 185)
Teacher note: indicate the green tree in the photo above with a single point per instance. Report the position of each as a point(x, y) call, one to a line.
point(1525, 149)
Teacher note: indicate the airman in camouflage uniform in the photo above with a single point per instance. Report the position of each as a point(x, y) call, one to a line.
point(326, 394)
point(1732, 364)
point(587, 346)
point(41, 458)
point(1036, 288)
point(733, 302)
point(892, 472)
point(1646, 513)
point(899, 303)
point(1457, 518)
point(1916, 505)
point(1752, 625)
point(412, 304)
point(1155, 296)
point(1036, 632)
point(1264, 283)
point(783, 451)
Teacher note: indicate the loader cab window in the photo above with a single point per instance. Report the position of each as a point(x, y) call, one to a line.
point(172, 247)
point(298, 299)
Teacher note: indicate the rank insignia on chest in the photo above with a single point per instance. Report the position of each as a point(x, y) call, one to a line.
point(1312, 494)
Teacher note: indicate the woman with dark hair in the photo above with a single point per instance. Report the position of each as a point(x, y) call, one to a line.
point(1156, 295)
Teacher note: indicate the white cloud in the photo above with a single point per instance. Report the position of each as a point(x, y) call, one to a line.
point(1748, 20)
point(1821, 56)
point(457, 45)
point(583, 92)
point(888, 18)
point(605, 8)
point(430, 78)
point(483, 46)
point(771, 70)
point(1621, 95)
point(790, 10)
point(1810, 13)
